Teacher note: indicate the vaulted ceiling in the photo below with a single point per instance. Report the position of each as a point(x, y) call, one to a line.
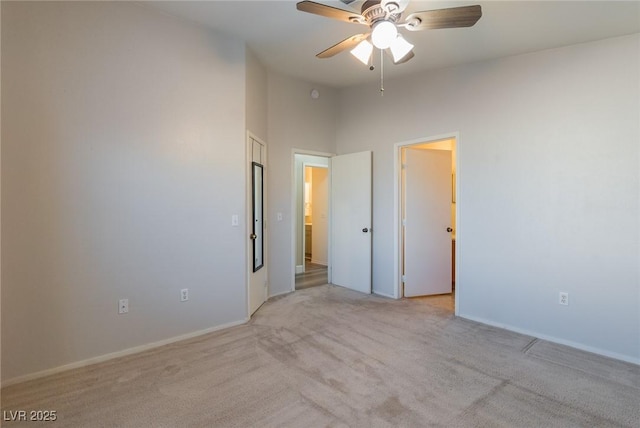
point(286, 40)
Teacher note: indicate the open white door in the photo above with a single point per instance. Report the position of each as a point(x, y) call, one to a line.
point(427, 249)
point(351, 221)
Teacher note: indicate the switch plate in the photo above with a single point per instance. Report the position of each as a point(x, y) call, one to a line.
point(123, 306)
point(234, 220)
point(279, 216)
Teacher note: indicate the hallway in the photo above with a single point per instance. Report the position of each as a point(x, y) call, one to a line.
point(314, 275)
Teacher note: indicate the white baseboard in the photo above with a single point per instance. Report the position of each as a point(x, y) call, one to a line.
point(118, 354)
point(279, 294)
point(580, 346)
point(378, 293)
point(300, 269)
point(320, 262)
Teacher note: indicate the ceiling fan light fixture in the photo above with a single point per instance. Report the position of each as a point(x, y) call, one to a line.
point(400, 48)
point(383, 34)
point(390, 6)
point(394, 6)
point(363, 51)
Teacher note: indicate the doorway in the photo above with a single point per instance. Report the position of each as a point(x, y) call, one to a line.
point(349, 240)
point(426, 217)
point(311, 178)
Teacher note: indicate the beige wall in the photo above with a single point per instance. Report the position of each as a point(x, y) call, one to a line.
point(296, 121)
point(544, 205)
point(123, 150)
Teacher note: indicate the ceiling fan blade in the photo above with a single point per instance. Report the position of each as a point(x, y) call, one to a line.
point(454, 17)
point(330, 12)
point(347, 43)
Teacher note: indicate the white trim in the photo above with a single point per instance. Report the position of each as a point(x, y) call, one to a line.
point(320, 262)
point(118, 354)
point(299, 268)
point(294, 152)
point(553, 339)
point(397, 212)
point(379, 293)
point(282, 293)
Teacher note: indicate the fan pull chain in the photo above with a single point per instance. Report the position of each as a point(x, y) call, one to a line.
point(381, 73)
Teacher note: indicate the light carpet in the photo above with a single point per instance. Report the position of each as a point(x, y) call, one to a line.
point(329, 357)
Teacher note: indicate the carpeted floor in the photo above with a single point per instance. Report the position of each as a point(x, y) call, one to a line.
point(329, 357)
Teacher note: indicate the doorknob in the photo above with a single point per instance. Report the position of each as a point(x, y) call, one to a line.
point(449, 229)
point(253, 236)
point(365, 230)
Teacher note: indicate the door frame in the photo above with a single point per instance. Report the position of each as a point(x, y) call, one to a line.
point(397, 211)
point(294, 152)
point(250, 137)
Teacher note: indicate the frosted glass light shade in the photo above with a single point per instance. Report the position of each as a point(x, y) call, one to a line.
point(362, 51)
point(383, 34)
point(400, 48)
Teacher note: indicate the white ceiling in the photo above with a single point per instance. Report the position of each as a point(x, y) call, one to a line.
point(286, 40)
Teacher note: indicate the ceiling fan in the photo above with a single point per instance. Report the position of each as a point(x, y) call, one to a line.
point(384, 17)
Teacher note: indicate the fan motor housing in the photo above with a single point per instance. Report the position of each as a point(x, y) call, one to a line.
point(373, 12)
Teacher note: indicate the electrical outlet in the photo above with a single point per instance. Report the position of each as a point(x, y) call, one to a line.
point(123, 306)
point(564, 298)
point(184, 294)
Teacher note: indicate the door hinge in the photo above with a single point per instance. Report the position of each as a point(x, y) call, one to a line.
point(403, 166)
point(404, 221)
point(404, 279)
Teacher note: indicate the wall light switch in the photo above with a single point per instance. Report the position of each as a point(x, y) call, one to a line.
point(234, 220)
point(279, 216)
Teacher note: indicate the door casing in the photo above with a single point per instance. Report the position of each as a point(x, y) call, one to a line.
point(397, 212)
